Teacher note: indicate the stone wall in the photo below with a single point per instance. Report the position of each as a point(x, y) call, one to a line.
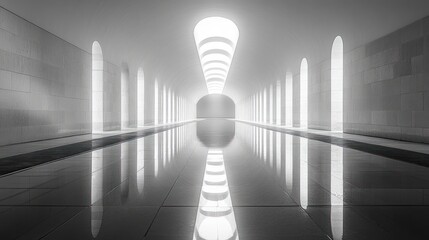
point(319, 96)
point(386, 85)
point(112, 97)
point(45, 84)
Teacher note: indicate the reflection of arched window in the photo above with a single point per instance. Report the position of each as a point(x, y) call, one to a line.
point(96, 191)
point(97, 88)
point(173, 107)
point(303, 189)
point(140, 165)
point(304, 94)
point(125, 90)
point(337, 85)
point(140, 97)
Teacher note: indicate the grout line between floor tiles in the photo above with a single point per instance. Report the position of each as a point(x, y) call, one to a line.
point(174, 183)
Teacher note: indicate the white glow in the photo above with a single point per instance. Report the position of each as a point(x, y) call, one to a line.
point(260, 108)
point(304, 94)
point(173, 111)
point(213, 65)
point(164, 105)
point(125, 90)
point(264, 150)
point(289, 100)
point(337, 192)
point(140, 97)
point(169, 106)
point(303, 189)
point(216, 39)
point(289, 161)
point(164, 148)
point(140, 164)
point(124, 161)
point(169, 146)
point(254, 108)
point(337, 85)
point(271, 105)
point(265, 106)
point(97, 88)
point(278, 103)
point(215, 218)
point(156, 154)
point(96, 191)
point(156, 114)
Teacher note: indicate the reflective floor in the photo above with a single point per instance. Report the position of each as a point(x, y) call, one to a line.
point(218, 180)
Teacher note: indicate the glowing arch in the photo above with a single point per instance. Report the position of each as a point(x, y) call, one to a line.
point(140, 97)
point(304, 94)
point(337, 73)
point(216, 39)
point(97, 88)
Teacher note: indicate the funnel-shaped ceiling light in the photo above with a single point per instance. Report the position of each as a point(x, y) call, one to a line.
point(216, 39)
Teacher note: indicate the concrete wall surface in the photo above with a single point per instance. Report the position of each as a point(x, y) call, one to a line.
point(45, 84)
point(386, 85)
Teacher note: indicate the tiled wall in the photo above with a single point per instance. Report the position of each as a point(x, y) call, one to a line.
point(319, 95)
point(112, 97)
point(45, 84)
point(387, 85)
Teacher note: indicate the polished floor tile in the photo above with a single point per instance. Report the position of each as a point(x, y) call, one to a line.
point(218, 179)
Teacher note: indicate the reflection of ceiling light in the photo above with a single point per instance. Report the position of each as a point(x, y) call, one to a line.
point(216, 228)
point(216, 39)
point(215, 218)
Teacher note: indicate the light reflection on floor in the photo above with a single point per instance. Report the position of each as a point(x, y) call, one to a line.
point(215, 218)
point(218, 181)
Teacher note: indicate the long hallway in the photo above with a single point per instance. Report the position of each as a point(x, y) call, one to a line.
point(214, 120)
point(217, 179)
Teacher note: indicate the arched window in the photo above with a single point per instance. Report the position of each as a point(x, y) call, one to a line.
point(304, 94)
point(164, 105)
point(261, 107)
point(97, 88)
point(265, 106)
point(303, 186)
point(278, 103)
point(140, 98)
point(125, 90)
point(337, 85)
point(156, 107)
point(289, 100)
point(271, 105)
point(169, 106)
point(140, 165)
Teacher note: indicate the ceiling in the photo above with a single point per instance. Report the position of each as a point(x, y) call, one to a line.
point(274, 34)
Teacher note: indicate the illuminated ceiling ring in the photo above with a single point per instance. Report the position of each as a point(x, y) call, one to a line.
point(216, 39)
